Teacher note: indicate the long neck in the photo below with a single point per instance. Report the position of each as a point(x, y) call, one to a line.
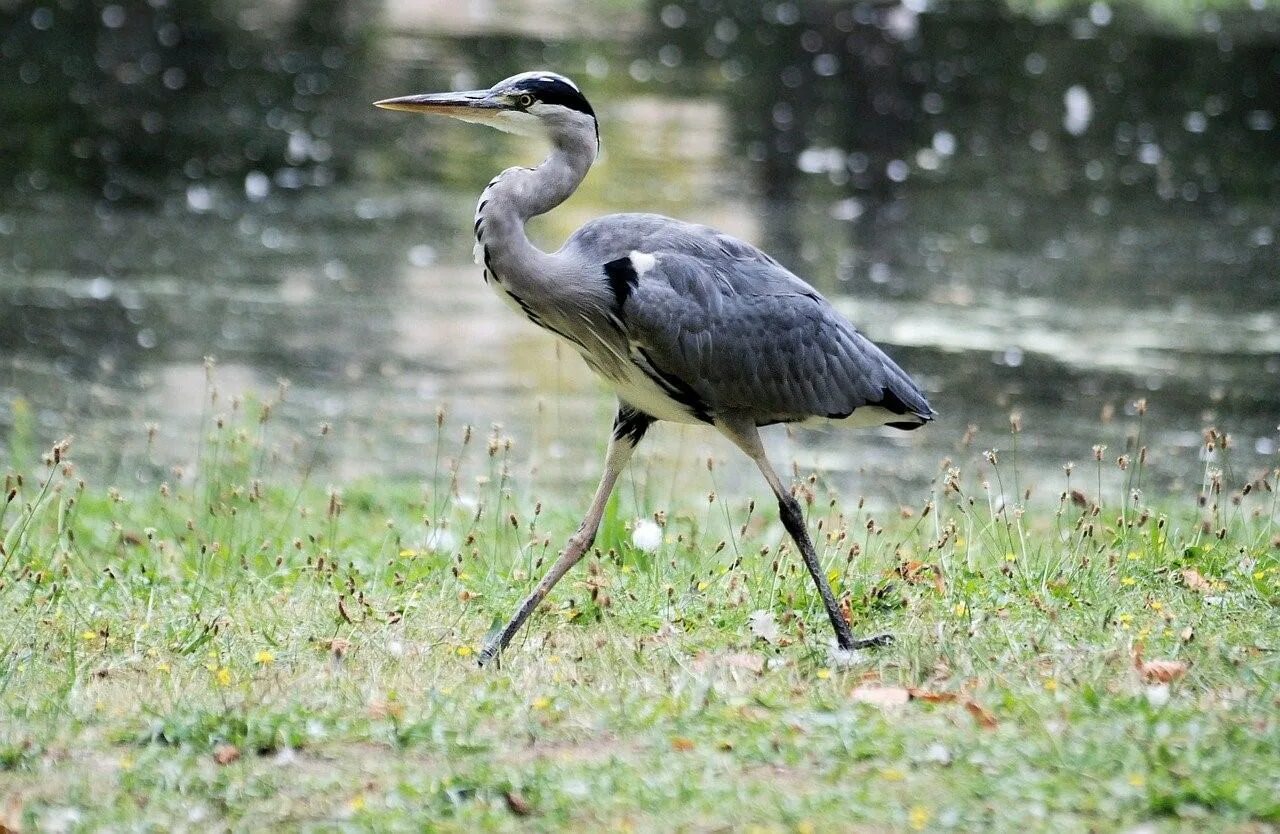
point(518, 194)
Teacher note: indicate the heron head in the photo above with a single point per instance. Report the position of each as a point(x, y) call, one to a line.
point(529, 104)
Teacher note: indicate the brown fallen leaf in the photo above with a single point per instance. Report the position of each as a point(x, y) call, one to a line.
point(517, 804)
point(985, 719)
point(1159, 671)
point(911, 570)
point(931, 697)
point(1164, 671)
point(225, 754)
point(1193, 580)
point(681, 744)
point(880, 696)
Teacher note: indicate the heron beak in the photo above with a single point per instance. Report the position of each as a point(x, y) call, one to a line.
point(472, 106)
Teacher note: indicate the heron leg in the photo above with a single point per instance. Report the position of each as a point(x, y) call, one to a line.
point(629, 427)
point(747, 438)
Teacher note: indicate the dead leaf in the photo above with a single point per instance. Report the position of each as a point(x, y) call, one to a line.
point(881, 696)
point(1159, 671)
point(1193, 580)
point(763, 625)
point(911, 570)
point(1187, 634)
point(931, 697)
point(225, 754)
point(1164, 671)
point(985, 719)
point(517, 804)
point(681, 744)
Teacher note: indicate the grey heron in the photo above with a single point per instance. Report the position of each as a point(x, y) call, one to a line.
point(683, 322)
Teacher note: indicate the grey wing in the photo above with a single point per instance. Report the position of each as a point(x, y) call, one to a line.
point(745, 335)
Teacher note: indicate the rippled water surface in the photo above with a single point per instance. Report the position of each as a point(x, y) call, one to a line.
point(1050, 216)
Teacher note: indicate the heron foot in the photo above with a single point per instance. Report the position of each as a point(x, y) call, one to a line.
point(874, 641)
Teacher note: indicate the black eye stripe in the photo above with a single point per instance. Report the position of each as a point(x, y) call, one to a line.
point(552, 91)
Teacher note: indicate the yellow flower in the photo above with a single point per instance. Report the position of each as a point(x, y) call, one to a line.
point(264, 658)
point(357, 802)
point(463, 651)
point(1133, 556)
point(1128, 580)
point(918, 818)
point(823, 674)
point(892, 774)
point(162, 667)
point(1137, 780)
point(960, 608)
point(541, 702)
point(1259, 574)
point(702, 586)
point(126, 762)
point(1010, 557)
point(223, 676)
point(89, 635)
point(1050, 684)
point(1124, 620)
point(1157, 605)
point(408, 554)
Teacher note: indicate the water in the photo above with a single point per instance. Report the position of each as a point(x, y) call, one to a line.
point(1049, 216)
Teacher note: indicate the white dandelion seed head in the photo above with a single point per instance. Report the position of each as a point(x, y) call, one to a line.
point(763, 625)
point(646, 535)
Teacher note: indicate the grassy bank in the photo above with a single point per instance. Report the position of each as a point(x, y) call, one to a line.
point(241, 647)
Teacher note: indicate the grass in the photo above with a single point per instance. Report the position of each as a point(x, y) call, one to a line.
point(241, 648)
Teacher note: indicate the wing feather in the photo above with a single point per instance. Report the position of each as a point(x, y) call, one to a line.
point(736, 330)
point(750, 337)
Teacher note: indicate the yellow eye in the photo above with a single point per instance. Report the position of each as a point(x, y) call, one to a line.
point(525, 100)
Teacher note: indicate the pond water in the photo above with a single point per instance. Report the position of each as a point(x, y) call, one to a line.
point(1048, 215)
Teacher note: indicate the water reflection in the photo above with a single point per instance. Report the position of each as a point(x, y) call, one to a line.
point(132, 100)
point(1055, 216)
